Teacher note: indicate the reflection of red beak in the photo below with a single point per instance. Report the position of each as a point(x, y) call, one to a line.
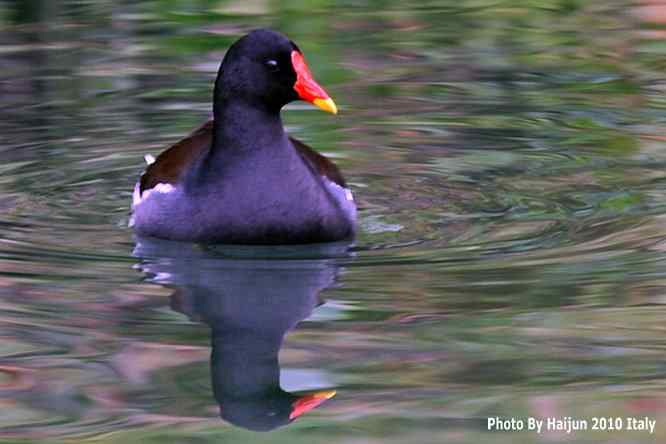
point(307, 88)
point(308, 402)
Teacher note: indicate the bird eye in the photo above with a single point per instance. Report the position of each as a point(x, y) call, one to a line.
point(272, 65)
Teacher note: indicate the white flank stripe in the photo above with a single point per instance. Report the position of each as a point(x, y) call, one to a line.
point(138, 197)
point(164, 188)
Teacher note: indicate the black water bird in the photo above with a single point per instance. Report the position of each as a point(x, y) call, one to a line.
point(240, 178)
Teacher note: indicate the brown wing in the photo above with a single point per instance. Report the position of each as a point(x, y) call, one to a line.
point(169, 165)
point(321, 164)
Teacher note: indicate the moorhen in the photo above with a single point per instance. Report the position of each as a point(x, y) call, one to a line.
point(240, 178)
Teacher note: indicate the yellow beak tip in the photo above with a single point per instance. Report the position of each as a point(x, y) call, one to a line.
point(326, 105)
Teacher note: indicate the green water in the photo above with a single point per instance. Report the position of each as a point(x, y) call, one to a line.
point(508, 158)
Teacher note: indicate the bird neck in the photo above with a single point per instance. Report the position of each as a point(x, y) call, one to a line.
point(242, 126)
point(242, 130)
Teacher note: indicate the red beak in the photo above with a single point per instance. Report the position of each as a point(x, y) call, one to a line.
point(307, 88)
point(308, 402)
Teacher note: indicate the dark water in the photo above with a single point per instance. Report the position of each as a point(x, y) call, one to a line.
point(509, 160)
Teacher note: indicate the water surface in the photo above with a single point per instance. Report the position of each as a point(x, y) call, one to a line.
point(509, 163)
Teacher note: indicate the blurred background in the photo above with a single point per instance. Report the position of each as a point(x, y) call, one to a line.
point(508, 157)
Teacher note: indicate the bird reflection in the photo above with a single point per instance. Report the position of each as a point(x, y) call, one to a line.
point(250, 297)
